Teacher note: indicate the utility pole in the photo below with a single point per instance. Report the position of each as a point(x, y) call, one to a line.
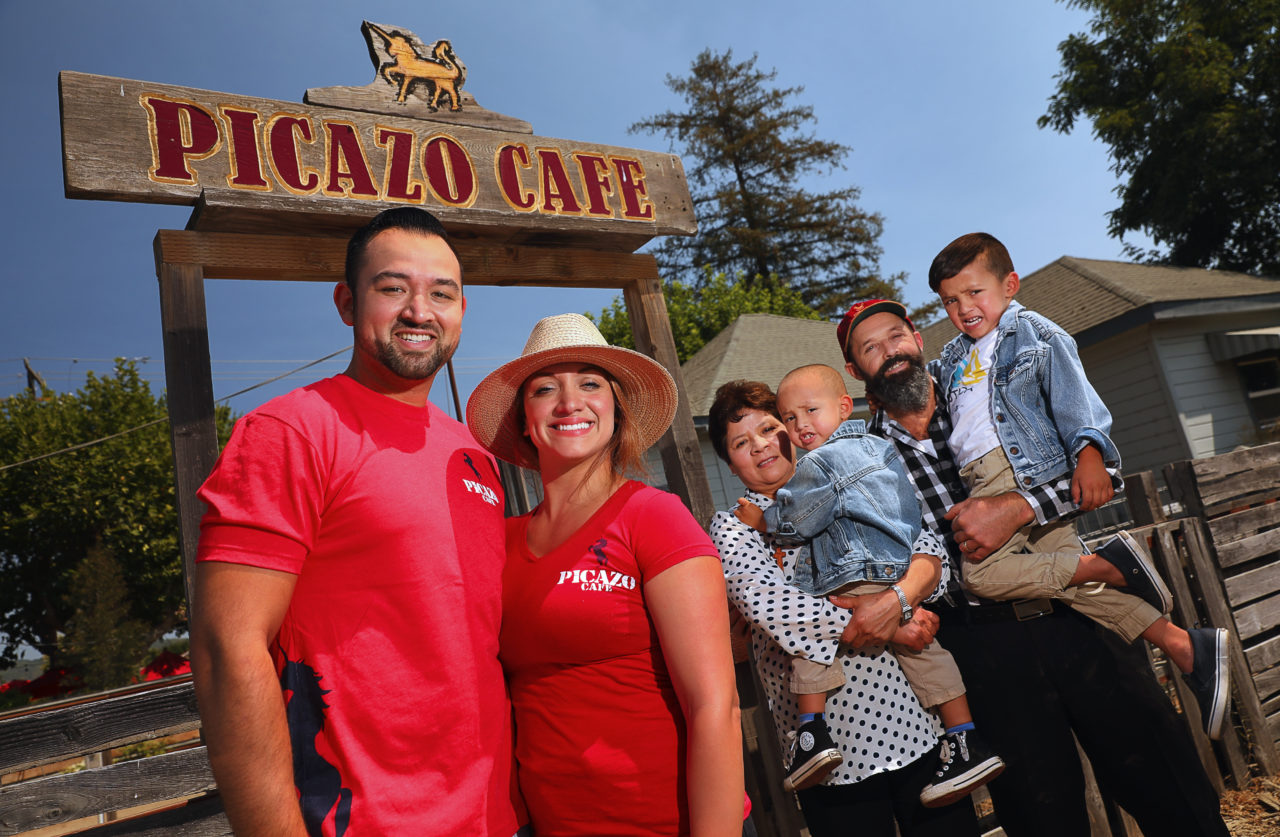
point(33, 378)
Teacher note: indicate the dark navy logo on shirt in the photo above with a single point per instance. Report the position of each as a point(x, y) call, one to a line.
point(320, 787)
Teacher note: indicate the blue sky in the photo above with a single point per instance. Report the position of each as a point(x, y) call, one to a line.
point(937, 99)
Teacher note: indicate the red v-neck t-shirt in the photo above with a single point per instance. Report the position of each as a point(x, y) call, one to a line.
point(600, 738)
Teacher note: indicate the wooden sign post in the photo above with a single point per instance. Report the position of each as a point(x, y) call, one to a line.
point(277, 187)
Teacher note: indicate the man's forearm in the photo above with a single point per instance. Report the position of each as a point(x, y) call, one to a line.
point(243, 718)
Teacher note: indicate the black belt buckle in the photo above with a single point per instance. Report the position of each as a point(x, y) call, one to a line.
point(1028, 609)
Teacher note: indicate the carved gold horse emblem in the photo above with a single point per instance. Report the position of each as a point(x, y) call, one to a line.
point(443, 73)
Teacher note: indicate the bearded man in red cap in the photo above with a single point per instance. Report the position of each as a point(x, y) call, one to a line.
point(1040, 676)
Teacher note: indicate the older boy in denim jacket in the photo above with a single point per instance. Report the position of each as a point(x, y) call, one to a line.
point(1023, 415)
point(850, 498)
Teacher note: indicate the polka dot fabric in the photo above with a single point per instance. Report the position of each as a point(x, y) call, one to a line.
point(876, 720)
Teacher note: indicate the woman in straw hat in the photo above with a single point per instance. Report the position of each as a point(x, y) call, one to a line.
point(615, 629)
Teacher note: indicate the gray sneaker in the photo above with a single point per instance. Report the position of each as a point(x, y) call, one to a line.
point(1140, 575)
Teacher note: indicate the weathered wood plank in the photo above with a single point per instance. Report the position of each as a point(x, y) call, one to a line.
point(1143, 498)
point(1168, 558)
point(1264, 655)
point(1199, 553)
point(1252, 584)
point(63, 798)
point(131, 140)
point(1248, 548)
point(203, 817)
point(45, 737)
point(681, 452)
point(1239, 478)
point(1253, 619)
point(1267, 684)
point(193, 433)
point(313, 259)
point(1242, 524)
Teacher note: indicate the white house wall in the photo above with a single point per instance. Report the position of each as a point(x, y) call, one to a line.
point(1128, 378)
point(1208, 396)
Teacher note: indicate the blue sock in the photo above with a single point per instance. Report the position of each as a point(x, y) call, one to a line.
point(806, 717)
point(960, 728)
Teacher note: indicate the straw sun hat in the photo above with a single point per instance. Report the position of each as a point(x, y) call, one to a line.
point(491, 410)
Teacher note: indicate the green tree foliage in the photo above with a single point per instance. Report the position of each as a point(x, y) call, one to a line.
point(1184, 93)
point(118, 495)
point(700, 312)
point(102, 645)
point(748, 151)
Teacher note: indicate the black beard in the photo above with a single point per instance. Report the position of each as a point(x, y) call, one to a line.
point(906, 391)
point(415, 366)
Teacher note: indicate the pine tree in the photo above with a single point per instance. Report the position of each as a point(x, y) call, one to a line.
point(748, 152)
point(102, 644)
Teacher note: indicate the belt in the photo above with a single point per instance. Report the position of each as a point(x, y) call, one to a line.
point(1022, 610)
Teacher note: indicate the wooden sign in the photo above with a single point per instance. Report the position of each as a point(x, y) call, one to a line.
point(139, 141)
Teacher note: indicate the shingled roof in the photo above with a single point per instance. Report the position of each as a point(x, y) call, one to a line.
point(760, 347)
point(1080, 294)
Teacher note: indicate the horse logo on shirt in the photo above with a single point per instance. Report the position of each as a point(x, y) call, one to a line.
point(319, 782)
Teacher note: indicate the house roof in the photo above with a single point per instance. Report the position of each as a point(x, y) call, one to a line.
point(1079, 294)
point(761, 347)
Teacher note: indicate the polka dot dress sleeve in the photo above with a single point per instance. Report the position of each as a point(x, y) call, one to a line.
point(801, 625)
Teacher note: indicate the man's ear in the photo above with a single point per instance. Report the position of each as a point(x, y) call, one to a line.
point(345, 303)
point(853, 370)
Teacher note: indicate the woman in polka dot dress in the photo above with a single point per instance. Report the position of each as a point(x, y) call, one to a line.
point(887, 739)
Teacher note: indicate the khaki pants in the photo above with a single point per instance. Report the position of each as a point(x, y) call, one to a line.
point(1038, 561)
point(932, 673)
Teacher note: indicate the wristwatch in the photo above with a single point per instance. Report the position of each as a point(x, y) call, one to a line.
point(907, 610)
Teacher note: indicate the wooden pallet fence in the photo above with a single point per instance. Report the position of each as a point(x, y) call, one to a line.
point(174, 790)
point(1231, 540)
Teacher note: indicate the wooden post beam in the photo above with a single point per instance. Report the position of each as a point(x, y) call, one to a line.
point(681, 454)
point(297, 258)
point(189, 394)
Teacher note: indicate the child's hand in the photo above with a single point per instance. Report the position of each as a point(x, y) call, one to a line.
point(750, 514)
point(1091, 484)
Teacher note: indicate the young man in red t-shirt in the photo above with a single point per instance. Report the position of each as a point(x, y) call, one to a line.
point(345, 627)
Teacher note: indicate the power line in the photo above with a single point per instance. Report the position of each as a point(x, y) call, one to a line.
point(154, 422)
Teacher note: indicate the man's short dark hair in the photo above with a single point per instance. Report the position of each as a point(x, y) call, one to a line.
point(733, 400)
point(960, 253)
point(409, 218)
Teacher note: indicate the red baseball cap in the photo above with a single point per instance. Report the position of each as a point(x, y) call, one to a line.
point(862, 309)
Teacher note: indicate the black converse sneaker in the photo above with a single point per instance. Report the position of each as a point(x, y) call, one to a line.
point(1210, 677)
point(1140, 575)
point(813, 756)
point(964, 765)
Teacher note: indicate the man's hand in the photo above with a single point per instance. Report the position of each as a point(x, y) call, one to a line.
point(981, 525)
point(1090, 483)
point(917, 633)
point(750, 514)
point(876, 618)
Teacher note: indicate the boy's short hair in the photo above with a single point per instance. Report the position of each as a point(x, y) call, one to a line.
point(960, 253)
point(732, 401)
point(830, 376)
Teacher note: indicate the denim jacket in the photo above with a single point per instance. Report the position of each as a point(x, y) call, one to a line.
point(1044, 408)
point(852, 498)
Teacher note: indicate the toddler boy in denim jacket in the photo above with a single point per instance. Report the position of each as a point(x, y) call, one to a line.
point(852, 500)
point(1023, 415)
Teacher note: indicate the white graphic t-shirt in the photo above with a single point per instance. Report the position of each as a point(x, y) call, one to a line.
point(969, 401)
